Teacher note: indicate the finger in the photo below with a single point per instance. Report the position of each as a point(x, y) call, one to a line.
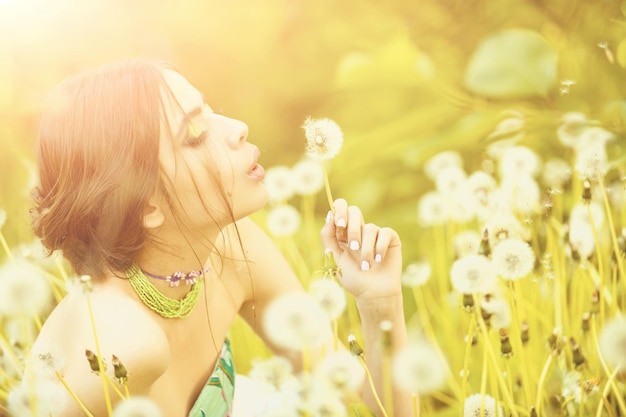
point(387, 238)
point(355, 226)
point(329, 234)
point(341, 220)
point(368, 245)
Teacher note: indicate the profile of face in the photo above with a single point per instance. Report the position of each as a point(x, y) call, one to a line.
point(212, 168)
point(129, 152)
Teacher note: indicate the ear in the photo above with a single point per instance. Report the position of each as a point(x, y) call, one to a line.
point(153, 216)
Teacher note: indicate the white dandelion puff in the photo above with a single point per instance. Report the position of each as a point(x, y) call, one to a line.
point(503, 226)
point(137, 406)
point(37, 398)
point(342, 371)
point(580, 214)
point(592, 162)
point(308, 177)
point(513, 259)
point(330, 296)
point(467, 243)
point(612, 341)
point(324, 138)
point(419, 368)
point(593, 136)
point(441, 161)
point(522, 193)
point(581, 238)
point(279, 183)
point(450, 181)
point(571, 387)
point(273, 372)
point(499, 310)
point(283, 220)
point(24, 290)
point(473, 274)
point(296, 321)
point(477, 405)
point(432, 209)
point(556, 173)
point(481, 184)
point(572, 126)
point(416, 274)
point(519, 160)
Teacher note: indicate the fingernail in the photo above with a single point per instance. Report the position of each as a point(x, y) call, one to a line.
point(329, 216)
point(341, 222)
point(365, 265)
point(354, 245)
point(378, 257)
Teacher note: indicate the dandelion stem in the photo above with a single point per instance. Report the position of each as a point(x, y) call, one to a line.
point(542, 380)
point(371, 382)
point(73, 395)
point(611, 375)
point(327, 188)
point(117, 391)
point(618, 257)
point(103, 377)
point(5, 246)
point(605, 392)
point(468, 348)
point(600, 263)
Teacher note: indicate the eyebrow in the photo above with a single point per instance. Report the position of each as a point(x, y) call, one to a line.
point(190, 115)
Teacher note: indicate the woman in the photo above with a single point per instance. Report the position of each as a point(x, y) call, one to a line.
point(139, 179)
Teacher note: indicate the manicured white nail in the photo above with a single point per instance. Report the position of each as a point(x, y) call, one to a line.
point(378, 257)
point(354, 245)
point(341, 222)
point(365, 265)
point(329, 216)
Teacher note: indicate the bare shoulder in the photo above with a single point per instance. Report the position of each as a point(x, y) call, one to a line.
point(108, 322)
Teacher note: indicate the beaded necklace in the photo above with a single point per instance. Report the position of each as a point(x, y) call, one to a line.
point(156, 301)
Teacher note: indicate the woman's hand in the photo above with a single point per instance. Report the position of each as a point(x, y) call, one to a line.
point(370, 256)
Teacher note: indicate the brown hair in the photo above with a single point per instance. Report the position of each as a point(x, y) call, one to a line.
point(97, 152)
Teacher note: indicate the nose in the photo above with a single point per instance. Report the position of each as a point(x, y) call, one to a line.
point(238, 134)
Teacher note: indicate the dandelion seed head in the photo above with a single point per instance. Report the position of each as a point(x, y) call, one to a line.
point(432, 209)
point(513, 259)
point(499, 310)
point(273, 372)
point(473, 274)
point(556, 173)
point(522, 193)
point(581, 238)
point(580, 214)
point(519, 161)
point(466, 243)
point(419, 368)
point(24, 290)
point(441, 161)
point(475, 402)
point(612, 342)
point(503, 226)
point(308, 177)
point(283, 220)
point(324, 138)
point(279, 183)
point(137, 406)
point(342, 370)
point(47, 397)
point(572, 126)
point(450, 181)
point(330, 296)
point(592, 162)
point(416, 274)
point(295, 321)
point(480, 184)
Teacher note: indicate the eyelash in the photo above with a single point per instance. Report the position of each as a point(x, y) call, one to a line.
point(197, 140)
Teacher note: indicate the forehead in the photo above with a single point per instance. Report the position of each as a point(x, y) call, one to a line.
point(183, 99)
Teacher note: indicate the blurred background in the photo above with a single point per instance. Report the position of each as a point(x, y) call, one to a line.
point(404, 79)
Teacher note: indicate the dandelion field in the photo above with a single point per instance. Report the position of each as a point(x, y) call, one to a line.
point(490, 135)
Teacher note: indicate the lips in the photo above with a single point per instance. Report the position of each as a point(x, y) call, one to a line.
point(256, 170)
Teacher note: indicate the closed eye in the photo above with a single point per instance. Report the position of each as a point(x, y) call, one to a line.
point(194, 141)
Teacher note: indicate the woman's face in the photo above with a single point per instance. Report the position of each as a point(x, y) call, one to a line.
point(207, 159)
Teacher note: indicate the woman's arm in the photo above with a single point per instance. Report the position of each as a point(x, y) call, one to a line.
point(370, 258)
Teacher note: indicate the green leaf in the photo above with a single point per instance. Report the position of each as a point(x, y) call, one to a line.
point(513, 63)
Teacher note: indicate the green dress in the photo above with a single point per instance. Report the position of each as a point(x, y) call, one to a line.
point(216, 397)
